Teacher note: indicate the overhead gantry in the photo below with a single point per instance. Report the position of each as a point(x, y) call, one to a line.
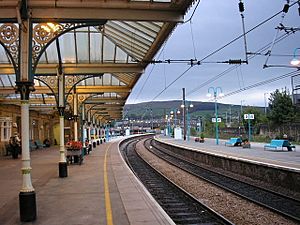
point(83, 56)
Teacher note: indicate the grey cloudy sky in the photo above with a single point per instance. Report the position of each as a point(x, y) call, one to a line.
point(215, 23)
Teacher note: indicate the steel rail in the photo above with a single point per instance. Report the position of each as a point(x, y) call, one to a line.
point(284, 205)
point(181, 206)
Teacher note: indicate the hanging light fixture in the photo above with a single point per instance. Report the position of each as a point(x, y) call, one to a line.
point(296, 60)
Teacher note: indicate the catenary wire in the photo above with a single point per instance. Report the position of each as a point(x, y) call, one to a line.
point(261, 83)
point(219, 49)
point(282, 37)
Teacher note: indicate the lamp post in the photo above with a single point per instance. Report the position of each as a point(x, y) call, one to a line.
point(216, 91)
point(186, 110)
point(168, 125)
point(189, 120)
point(175, 112)
point(295, 61)
point(265, 102)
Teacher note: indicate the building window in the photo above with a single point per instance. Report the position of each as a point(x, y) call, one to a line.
point(5, 130)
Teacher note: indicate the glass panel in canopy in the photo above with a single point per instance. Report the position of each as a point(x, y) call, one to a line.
point(7, 80)
point(109, 49)
point(96, 45)
point(51, 53)
point(115, 81)
point(82, 47)
point(67, 48)
point(3, 55)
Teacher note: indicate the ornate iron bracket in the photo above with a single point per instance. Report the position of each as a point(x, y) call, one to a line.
point(61, 111)
point(71, 81)
point(9, 39)
point(24, 88)
point(45, 33)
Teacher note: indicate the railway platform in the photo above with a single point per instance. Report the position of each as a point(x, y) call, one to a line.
point(257, 154)
point(100, 191)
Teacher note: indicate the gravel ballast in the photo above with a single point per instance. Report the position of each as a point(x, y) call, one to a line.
point(232, 207)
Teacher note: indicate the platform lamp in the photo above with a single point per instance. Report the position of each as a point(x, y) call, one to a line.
point(296, 60)
point(189, 120)
point(217, 92)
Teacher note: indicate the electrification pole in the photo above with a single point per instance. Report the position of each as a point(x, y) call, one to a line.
point(184, 114)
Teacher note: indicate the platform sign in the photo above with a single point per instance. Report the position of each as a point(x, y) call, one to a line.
point(214, 120)
point(249, 116)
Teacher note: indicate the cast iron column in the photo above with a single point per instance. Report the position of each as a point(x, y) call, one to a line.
point(75, 106)
point(62, 165)
point(24, 85)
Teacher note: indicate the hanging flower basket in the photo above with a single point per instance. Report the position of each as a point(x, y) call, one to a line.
point(74, 145)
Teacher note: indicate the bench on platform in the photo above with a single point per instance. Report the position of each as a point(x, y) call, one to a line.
point(8, 149)
point(279, 144)
point(234, 142)
point(39, 144)
point(200, 140)
point(32, 145)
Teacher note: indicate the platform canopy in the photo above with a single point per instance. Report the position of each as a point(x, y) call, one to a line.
point(102, 46)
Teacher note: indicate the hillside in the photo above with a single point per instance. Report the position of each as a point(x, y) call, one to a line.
point(161, 108)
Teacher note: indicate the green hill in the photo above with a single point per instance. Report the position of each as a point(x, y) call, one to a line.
point(161, 108)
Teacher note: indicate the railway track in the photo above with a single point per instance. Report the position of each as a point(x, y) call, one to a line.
point(284, 205)
point(179, 205)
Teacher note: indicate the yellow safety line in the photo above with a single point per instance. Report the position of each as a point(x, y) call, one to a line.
point(109, 219)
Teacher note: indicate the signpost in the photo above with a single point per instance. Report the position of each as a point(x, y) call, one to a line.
point(214, 120)
point(249, 117)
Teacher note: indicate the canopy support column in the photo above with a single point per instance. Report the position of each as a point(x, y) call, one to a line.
point(24, 85)
point(62, 165)
point(75, 105)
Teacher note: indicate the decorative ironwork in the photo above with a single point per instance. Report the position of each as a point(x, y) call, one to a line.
point(24, 88)
point(70, 99)
point(44, 33)
point(50, 81)
point(75, 118)
point(72, 81)
point(82, 98)
point(61, 111)
point(9, 37)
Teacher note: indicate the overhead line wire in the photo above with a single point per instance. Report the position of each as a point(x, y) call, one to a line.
point(149, 74)
point(235, 66)
point(171, 83)
point(261, 83)
point(192, 13)
point(219, 49)
point(164, 47)
point(242, 35)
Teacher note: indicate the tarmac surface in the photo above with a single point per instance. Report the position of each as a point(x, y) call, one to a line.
point(100, 191)
point(278, 158)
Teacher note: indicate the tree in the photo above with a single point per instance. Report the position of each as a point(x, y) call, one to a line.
point(258, 118)
point(282, 111)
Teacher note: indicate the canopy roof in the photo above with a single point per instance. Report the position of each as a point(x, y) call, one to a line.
point(104, 61)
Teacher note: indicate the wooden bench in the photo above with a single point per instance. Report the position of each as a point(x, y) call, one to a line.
point(234, 142)
point(200, 140)
point(39, 144)
point(32, 145)
point(74, 156)
point(278, 144)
